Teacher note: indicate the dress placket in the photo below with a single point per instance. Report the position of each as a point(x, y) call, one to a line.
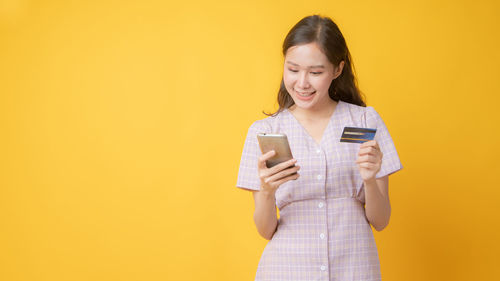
point(322, 234)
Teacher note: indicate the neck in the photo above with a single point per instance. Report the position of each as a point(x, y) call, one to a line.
point(321, 111)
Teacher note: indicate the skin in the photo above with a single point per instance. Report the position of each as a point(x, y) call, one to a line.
point(306, 70)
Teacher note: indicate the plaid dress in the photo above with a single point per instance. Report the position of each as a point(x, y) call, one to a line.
point(323, 232)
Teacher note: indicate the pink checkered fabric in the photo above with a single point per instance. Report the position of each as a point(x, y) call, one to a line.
point(323, 232)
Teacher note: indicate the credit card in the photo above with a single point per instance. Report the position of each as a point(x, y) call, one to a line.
point(357, 135)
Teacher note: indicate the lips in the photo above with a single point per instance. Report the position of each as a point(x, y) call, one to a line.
point(305, 95)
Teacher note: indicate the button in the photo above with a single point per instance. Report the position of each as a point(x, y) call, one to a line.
point(322, 236)
point(323, 268)
point(319, 177)
point(320, 205)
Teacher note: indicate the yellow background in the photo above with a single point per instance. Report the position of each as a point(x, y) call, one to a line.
point(122, 125)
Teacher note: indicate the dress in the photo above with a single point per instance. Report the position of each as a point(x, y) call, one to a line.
point(323, 232)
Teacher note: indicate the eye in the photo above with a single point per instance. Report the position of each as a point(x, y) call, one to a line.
point(293, 70)
point(316, 73)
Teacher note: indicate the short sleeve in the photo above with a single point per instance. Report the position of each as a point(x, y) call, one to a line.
point(248, 177)
point(390, 158)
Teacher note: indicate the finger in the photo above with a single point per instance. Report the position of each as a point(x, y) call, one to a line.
point(264, 157)
point(285, 179)
point(367, 143)
point(367, 165)
point(375, 145)
point(282, 174)
point(367, 158)
point(367, 150)
point(282, 166)
point(266, 172)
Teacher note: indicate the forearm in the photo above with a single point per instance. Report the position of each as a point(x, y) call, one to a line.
point(265, 214)
point(378, 207)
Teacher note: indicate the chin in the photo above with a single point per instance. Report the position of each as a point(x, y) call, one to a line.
point(304, 105)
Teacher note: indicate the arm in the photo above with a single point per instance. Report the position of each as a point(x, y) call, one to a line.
point(265, 213)
point(265, 201)
point(378, 207)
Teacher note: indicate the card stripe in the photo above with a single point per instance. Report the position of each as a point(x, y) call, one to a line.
point(357, 135)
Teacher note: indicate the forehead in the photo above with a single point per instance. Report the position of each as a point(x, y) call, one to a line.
point(306, 55)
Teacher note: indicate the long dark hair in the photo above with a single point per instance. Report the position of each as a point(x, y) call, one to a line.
point(324, 32)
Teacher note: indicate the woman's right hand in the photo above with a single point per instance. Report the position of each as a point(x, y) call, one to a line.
point(272, 178)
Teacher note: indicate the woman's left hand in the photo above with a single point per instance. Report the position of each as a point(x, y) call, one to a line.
point(369, 159)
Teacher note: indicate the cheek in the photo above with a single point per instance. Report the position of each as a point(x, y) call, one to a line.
point(286, 76)
point(288, 80)
point(323, 83)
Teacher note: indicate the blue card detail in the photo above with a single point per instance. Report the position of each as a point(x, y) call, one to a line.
point(357, 135)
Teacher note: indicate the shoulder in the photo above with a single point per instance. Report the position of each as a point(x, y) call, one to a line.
point(372, 117)
point(366, 115)
point(357, 111)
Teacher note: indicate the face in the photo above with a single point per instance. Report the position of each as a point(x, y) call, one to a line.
point(308, 74)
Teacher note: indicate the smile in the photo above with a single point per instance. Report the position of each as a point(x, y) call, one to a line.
point(305, 96)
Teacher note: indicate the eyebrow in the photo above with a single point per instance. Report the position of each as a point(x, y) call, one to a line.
point(311, 66)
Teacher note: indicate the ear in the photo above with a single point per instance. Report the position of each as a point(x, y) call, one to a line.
point(338, 70)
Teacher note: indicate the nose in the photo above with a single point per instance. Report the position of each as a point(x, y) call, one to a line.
point(302, 81)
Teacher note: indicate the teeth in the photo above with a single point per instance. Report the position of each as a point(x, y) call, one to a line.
point(306, 94)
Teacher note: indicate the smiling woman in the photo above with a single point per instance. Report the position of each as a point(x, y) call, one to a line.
point(331, 192)
point(308, 75)
point(316, 52)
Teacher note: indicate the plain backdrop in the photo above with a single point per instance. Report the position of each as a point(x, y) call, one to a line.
point(122, 125)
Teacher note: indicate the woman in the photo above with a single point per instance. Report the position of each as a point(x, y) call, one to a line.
point(332, 191)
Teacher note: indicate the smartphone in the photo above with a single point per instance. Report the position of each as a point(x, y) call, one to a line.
point(278, 143)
